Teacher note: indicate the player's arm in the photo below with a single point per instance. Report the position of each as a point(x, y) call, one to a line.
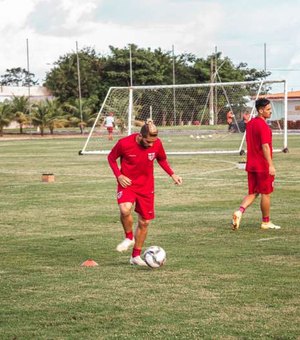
point(267, 154)
point(163, 163)
point(124, 181)
point(177, 179)
point(166, 167)
point(112, 161)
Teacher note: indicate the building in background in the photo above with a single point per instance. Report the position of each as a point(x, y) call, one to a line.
point(293, 103)
point(36, 93)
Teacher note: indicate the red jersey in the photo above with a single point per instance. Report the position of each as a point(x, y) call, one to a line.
point(137, 162)
point(257, 133)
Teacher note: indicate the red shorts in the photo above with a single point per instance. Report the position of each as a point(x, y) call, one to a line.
point(110, 129)
point(144, 204)
point(260, 183)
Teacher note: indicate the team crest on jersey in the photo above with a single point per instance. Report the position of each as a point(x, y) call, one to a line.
point(119, 194)
point(151, 156)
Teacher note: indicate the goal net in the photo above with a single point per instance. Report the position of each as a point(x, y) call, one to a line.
point(193, 118)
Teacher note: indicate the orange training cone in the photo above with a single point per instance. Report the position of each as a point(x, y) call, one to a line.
point(89, 263)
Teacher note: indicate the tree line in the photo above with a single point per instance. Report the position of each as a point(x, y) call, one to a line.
point(98, 72)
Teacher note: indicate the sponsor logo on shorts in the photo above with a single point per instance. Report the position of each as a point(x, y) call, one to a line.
point(151, 156)
point(119, 194)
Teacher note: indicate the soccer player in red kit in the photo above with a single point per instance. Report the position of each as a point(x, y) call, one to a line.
point(260, 167)
point(135, 178)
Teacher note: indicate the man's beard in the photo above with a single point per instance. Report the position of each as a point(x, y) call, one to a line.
point(145, 146)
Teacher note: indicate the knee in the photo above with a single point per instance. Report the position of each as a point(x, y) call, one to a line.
point(125, 211)
point(143, 224)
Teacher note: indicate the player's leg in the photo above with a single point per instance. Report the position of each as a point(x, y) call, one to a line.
point(127, 223)
point(266, 188)
point(145, 209)
point(141, 232)
point(110, 133)
point(140, 237)
point(246, 202)
point(126, 216)
point(265, 203)
point(237, 215)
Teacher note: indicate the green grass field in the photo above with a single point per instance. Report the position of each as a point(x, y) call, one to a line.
point(216, 284)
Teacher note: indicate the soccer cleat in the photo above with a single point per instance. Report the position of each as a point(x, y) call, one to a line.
point(236, 219)
point(125, 245)
point(138, 261)
point(269, 225)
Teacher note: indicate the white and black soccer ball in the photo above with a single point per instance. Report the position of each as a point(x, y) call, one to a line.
point(155, 256)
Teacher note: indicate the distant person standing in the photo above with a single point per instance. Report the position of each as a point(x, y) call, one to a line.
point(259, 166)
point(109, 123)
point(229, 119)
point(246, 117)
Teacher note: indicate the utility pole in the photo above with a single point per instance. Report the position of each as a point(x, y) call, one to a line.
point(211, 93)
point(265, 57)
point(216, 88)
point(28, 71)
point(130, 65)
point(130, 104)
point(174, 82)
point(79, 90)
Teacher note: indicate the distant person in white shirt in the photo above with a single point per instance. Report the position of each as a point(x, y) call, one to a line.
point(109, 123)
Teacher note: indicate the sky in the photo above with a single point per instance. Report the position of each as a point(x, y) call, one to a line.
point(261, 33)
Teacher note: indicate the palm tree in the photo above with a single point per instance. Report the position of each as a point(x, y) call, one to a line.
point(39, 116)
point(5, 116)
point(81, 118)
point(56, 116)
point(21, 108)
point(48, 114)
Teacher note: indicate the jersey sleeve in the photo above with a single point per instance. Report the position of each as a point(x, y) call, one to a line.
point(112, 157)
point(162, 160)
point(265, 134)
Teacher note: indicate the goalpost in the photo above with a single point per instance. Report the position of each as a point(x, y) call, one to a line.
point(192, 118)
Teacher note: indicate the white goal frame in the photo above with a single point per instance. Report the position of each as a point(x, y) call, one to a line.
point(130, 113)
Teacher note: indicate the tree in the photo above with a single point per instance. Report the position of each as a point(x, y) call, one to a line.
point(20, 108)
point(185, 69)
point(62, 80)
point(148, 67)
point(48, 114)
point(81, 117)
point(18, 77)
point(39, 116)
point(56, 117)
point(5, 116)
point(226, 70)
point(98, 73)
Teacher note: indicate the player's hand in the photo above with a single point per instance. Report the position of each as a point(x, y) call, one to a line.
point(177, 179)
point(124, 181)
point(272, 170)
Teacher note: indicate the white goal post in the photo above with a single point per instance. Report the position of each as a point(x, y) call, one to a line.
point(192, 119)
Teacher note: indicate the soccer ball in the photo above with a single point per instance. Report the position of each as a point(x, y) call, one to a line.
point(155, 256)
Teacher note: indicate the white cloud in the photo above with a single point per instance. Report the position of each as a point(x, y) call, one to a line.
point(77, 12)
point(237, 28)
point(13, 14)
